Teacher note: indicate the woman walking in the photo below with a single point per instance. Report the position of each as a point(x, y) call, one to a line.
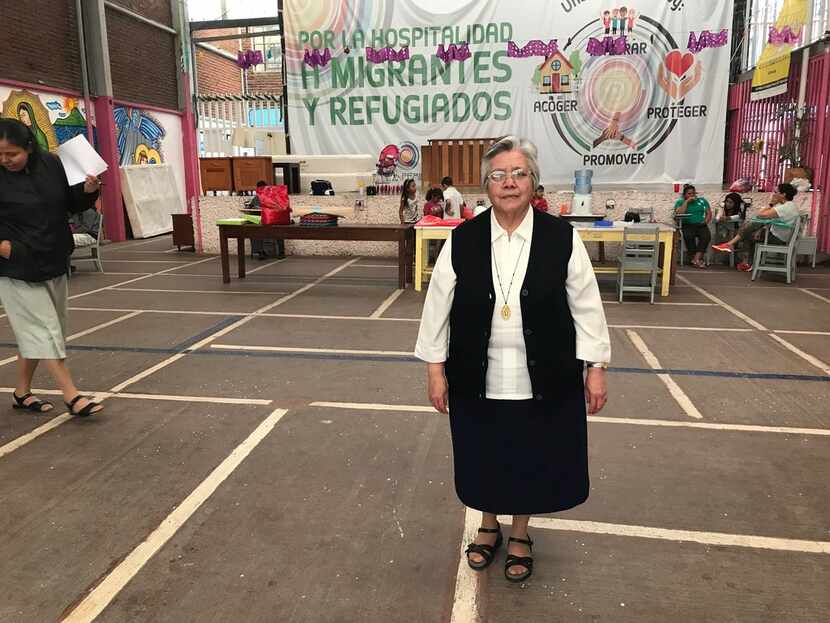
point(35, 245)
point(512, 317)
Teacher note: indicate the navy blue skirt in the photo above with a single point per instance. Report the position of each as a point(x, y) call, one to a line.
point(520, 457)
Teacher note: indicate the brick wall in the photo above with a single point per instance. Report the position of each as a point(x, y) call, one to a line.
point(40, 43)
point(216, 74)
point(158, 10)
point(143, 61)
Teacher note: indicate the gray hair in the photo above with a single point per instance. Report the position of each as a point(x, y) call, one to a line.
point(511, 143)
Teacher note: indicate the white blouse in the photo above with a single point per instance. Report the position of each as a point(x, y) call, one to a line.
point(507, 374)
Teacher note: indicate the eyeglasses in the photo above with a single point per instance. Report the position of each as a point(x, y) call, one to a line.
point(499, 176)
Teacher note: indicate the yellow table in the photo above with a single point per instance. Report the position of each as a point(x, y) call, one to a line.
point(587, 232)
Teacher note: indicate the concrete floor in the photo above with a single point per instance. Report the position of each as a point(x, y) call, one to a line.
point(267, 454)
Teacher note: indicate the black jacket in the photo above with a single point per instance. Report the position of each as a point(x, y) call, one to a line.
point(34, 216)
point(548, 326)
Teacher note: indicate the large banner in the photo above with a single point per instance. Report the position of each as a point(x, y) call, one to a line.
point(773, 70)
point(636, 92)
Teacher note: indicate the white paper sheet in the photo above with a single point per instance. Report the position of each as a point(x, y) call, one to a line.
point(80, 159)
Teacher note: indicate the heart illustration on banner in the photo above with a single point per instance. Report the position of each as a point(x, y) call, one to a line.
point(679, 63)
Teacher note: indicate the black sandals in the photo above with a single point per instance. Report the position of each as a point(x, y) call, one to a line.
point(87, 410)
point(38, 406)
point(519, 561)
point(488, 552)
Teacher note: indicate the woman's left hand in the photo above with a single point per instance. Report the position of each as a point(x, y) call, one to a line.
point(91, 184)
point(596, 390)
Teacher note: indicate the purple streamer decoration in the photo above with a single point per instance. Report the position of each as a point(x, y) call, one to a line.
point(249, 58)
point(707, 39)
point(612, 46)
point(785, 35)
point(453, 52)
point(533, 48)
point(315, 58)
point(386, 54)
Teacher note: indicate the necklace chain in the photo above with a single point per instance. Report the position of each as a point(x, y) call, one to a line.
point(515, 269)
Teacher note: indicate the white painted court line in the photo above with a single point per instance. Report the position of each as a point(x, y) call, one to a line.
point(670, 328)
point(814, 295)
point(232, 327)
point(105, 591)
point(813, 361)
point(264, 266)
point(270, 306)
point(726, 306)
point(118, 261)
point(124, 283)
point(208, 399)
point(369, 406)
point(18, 442)
point(465, 608)
point(598, 419)
point(80, 334)
point(331, 351)
point(130, 244)
point(629, 303)
point(674, 389)
point(197, 291)
point(159, 311)
point(324, 317)
point(785, 332)
point(221, 400)
point(386, 304)
point(667, 534)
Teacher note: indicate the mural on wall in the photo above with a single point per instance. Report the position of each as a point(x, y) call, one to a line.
point(140, 136)
point(53, 119)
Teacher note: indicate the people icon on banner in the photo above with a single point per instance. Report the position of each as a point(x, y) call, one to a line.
point(616, 20)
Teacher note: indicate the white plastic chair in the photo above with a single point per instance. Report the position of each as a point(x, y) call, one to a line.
point(92, 251)
point(807, 245)
point(777, 258)
point(639, 256)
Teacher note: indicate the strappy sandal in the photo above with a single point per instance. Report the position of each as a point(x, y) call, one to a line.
point(37, 406)
point(86, 411)
point(519, 561)
point(488, 552)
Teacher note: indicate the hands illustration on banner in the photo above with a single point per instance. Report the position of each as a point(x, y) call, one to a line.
point(613, 133)
point(674, 75)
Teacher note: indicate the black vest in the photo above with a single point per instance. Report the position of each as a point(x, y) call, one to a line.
point(549, 333)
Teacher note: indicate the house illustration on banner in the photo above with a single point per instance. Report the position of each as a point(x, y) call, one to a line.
point(555, 74)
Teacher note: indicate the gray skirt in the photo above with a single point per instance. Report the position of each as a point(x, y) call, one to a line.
point(37, 314)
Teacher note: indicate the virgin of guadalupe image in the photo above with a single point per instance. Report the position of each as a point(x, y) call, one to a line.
point(27, 117)
point(135, 129)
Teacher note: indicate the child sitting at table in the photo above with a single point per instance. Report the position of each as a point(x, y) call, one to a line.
point(435, 203)
point(539, 202)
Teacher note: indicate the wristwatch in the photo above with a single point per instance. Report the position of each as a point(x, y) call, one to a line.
point(597, 364)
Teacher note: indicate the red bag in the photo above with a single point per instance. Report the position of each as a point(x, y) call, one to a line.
point(276, 208)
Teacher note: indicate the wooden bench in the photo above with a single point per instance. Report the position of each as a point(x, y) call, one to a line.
point(402, 234)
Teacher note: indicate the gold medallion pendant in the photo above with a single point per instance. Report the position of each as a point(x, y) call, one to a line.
point(505, 312)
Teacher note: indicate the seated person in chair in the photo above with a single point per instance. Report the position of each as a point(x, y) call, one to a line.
point(783, 209)
point(696, 215)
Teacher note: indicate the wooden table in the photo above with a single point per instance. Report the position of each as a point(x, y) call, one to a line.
point(587, 232)
point(375, 233)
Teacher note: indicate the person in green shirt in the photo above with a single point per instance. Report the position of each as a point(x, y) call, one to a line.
point(695, 216)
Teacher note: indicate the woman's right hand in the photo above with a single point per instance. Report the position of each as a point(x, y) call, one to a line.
point(437, 387)
point(5, 249)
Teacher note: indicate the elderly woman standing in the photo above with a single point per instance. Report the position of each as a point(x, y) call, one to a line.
point(35, 245)
point(512, 316)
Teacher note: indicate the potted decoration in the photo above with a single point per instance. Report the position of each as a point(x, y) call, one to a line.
point(794, 139)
